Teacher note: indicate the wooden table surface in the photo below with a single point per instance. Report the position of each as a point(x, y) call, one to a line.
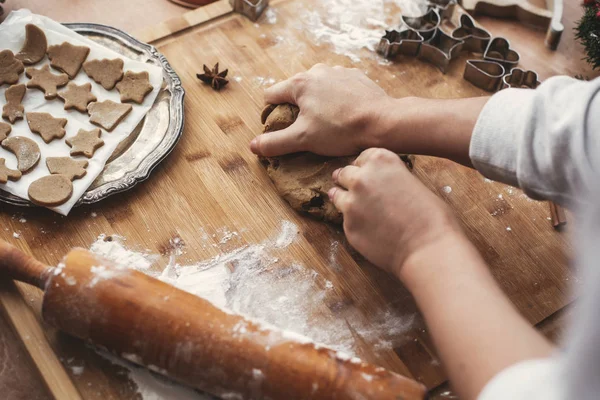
point(229, 188)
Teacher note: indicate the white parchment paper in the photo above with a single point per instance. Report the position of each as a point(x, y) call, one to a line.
point(12, 37)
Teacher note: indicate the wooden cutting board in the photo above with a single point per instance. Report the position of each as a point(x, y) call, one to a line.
point(211, 180)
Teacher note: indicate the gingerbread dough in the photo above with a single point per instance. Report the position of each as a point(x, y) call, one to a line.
point(50, 190)
point(303, 179)
point(7, 174)
point(68, 58)
point(10, 67)
point(105, 72)
point(107, 113)
point(13, 109)
point(26, 150)
point(45, 125)
point(5, 130)
point(72, 169)
point(134, 86)
point(85, 143)
point(46, 81)
point(34, 48)
point(77, 96)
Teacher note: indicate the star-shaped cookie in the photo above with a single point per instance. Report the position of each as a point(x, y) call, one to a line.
point(72, 169)
point(77, 96)
point(45, 125)
point(134, 86)
point(67, 58)
point(105, 72)
point(108, 114)
point(46, 81)
point(85, 143)
point(7, 174)
point(4, 130)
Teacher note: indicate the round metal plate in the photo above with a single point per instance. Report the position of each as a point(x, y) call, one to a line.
point(154, 137)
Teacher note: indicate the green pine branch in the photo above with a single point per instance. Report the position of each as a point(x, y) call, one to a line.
point(588, 33)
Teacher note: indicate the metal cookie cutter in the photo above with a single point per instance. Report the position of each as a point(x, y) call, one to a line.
point(250, 8)
point(519, 78)
point(499, 50)
point(486, 75)
point(425, 24)
point(445, 7)
point(407, 42)
point(476, 39)
point(440, 50)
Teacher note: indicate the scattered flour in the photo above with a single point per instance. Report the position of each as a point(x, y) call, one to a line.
point(258, 282)
point(447, 189)
point(351, 25)
point(16, 235)
point(111, 248)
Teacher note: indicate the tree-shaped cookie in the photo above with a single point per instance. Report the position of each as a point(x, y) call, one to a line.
point(46, 81)
point(13, 109)
point(67, 58)
point(134, 86)
point(105, 72)
point(26, 150)
point(45, 125)
point(10, 67)
point(7, 174)
point(85, 143)
point(4, 130)
point(77, 96)
point(108, 114)
point(72, 169)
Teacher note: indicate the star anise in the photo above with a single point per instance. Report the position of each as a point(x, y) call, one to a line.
point(213, 77)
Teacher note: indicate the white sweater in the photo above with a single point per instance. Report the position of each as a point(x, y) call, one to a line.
point(547, 142)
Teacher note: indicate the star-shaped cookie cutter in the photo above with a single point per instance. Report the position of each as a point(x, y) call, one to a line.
point(425, 24)
point(519, 78)
point(407, 42)
point(476, 39)
point(499, 50)
point(445, 7)
point(440, 50)
point(251, 9)
point(486, 75)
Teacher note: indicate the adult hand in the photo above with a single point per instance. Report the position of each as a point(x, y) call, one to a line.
point(339, 113)
point(389, 214)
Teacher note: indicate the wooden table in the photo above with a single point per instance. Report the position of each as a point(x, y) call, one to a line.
point(211, 181)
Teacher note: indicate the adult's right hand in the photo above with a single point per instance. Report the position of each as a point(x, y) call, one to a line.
point(340, 112)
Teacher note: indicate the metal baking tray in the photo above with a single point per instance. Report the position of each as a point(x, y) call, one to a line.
point(151, 141)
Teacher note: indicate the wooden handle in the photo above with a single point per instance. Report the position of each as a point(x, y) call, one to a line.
point(188, 339)
point(15, 264)
point(557, 215)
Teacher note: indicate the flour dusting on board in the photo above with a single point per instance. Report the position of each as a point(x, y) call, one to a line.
point(254, 280)
point(351, 25)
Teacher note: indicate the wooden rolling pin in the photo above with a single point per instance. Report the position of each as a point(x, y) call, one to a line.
point(186, 338)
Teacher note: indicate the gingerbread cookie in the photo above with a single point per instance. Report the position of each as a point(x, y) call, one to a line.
point(50, 190)
point(45, 125)
point(10, 67)
point(77, 96)
point(72, 169)
point(105, 72)
point(134, 86)
point(4, 130)
point(85, 143)
point(7, 174)
point(67, 58)
point(34, 48)
point(26, 150)
point(108, 114)
point(13, 110)
point(46, 81)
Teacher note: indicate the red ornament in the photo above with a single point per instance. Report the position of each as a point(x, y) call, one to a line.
point(589, 3)
point(598, 15)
